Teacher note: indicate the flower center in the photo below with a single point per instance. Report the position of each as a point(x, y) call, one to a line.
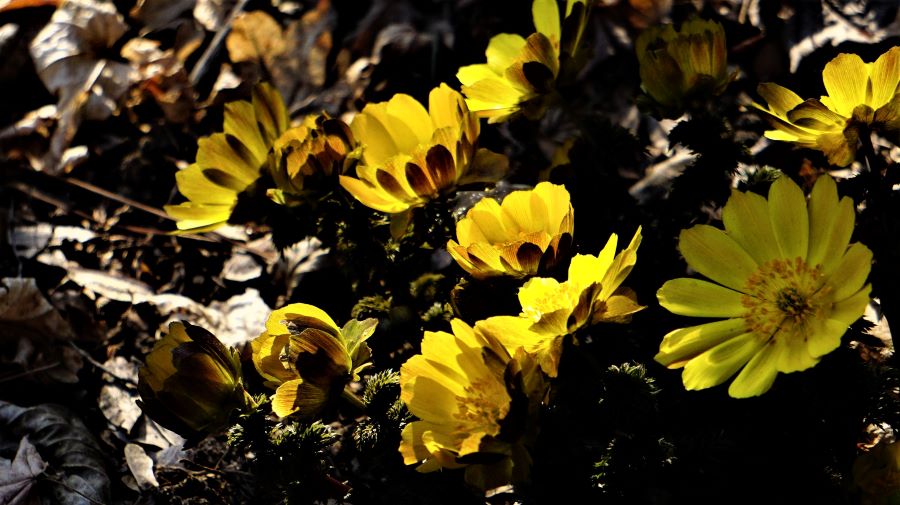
point(784, 296)
point(483, 406)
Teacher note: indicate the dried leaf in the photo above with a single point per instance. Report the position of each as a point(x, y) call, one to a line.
point(67, 57)
point(75, 464)
point(34, 332)
point(212, 14)
point(156, 14)
point(141, 466)
point(255, 37)
point(19, 475)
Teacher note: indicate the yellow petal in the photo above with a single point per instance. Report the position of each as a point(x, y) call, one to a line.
point(502, 51)
point(758, 376)
point(794, 352)
point(746, 218)
point(714, 254)
point(846, 79)
point(699, 298)
point(852, 271)
point(885, 77)
point(825, 336)
point(716, 365)
point(830, 224)
point(779, 99)
point(545, 14)
point(372, 197)
point(300, 397)
point(789, 218)
point(683, 344)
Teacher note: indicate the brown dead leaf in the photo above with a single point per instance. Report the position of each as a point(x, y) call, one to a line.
point(19, 475)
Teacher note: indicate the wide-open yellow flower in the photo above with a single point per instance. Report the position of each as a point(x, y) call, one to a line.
point(411, 155)
point(519, 70)
point(530, 230)
point(860, 96)
point(306, 161)
point(230, 161)
point(308, 358)
point(592, 294)
point(677, 67)
point(475, 403)
point(191, 383)
point(785, 280)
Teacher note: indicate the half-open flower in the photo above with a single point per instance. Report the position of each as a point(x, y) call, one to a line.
point(678, 67)
point(308, 359)
point(229, 162)
point(191, 383)
point(306, 161)
point(519, 71)
point(476, 406)
point(529, 231)
point(411, 155)
point(861, 96)
point(786, 280)
point(592, 294)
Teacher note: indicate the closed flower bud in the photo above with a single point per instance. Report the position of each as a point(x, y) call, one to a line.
point(679, 67)
point(307, 160)
point(191, 383)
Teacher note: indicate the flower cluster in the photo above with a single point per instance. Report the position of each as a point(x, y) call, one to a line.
point(782, 281)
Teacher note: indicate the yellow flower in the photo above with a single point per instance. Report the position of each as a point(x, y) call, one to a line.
point(191, 383)
point(678, 67)
point(877, 474)
point(529, 230)
point(788, 286)
point(520, 71)
point(307, 359)
point(229, 162)
point(475, 403)
point(860, 96)
point(411, 155)
point(552, 309)
point(307, 160)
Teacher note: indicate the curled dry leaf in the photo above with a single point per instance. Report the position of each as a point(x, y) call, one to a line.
point(75, 469)
point(33, 334)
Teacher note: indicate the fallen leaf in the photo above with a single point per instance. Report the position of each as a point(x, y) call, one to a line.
point(67, 56)
point(255, 37)
point(34, 332)
point(212, 14)
point(75, 465)
point(19, 475)
point(141, 466)
point(156, 14)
